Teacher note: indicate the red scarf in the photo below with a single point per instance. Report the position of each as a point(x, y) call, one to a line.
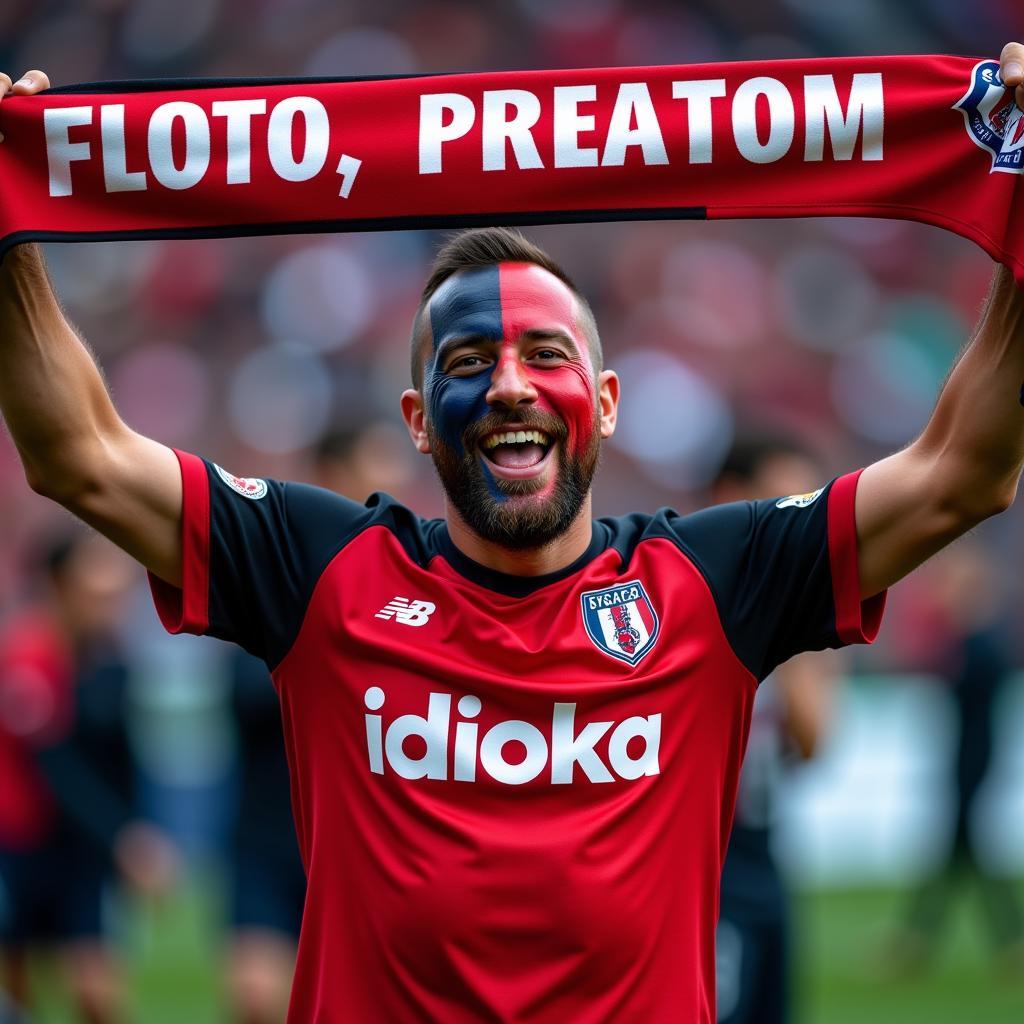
point(932, 139)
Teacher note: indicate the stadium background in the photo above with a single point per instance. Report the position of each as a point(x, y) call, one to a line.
point(249, 351)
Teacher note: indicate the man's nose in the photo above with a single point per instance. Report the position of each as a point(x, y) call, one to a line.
point(510, 384)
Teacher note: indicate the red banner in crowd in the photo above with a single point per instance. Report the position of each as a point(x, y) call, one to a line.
point(932, 139)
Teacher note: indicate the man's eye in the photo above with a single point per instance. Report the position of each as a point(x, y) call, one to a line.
point(467, 363)
point(547, 354)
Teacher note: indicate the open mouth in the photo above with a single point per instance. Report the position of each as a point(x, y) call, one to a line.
point(517, 452)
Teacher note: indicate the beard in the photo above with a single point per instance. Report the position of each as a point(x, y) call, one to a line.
point(515, 522)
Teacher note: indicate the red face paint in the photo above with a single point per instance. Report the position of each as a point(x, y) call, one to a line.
point(534, 300)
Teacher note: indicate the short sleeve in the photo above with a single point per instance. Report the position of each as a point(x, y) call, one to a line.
point(784, 573)
point(253, 551)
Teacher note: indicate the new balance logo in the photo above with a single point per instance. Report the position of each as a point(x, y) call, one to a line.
point(409, 613)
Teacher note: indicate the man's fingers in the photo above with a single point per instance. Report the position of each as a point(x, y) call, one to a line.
point(30, 82)
point(34, 81)
point(1011, 70)
point(1011, 64)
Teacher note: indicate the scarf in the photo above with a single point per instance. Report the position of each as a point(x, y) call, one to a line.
point(928, 138)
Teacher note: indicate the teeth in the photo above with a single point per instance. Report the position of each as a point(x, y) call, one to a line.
point(517, 437)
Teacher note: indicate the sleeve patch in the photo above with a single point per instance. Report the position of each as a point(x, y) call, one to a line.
point(800, 500)
point(247, 487)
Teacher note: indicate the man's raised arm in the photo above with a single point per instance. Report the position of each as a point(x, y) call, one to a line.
point(967, 463)
point(73, 445)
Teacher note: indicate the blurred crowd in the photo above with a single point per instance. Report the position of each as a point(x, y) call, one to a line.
point(285, 356)
point(249, 351)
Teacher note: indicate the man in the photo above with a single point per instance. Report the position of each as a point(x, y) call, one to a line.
point(789, 718)
point(266, 882)
point(514, 734)
point(968, 655)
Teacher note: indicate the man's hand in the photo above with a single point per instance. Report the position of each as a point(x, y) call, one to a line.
point(147, 859)
point(1011, 70)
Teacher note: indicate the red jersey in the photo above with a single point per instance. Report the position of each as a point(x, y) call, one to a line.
point(512, 794)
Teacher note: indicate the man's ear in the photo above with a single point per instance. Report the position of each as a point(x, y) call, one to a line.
point(608, 401)
point(415, 420)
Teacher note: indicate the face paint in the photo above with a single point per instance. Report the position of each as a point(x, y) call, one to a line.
point(496, 309)
point(501, 304)
point(466, 305)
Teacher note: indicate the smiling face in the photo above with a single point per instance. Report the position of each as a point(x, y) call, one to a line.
point(511, 405)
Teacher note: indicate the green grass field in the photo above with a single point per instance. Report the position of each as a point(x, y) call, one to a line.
point(842, 975)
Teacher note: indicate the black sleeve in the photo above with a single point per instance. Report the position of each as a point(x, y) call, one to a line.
point(253, 553)
point(783, 573)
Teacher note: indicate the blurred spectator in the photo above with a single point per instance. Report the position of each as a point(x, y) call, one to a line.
point(67, 819)
point(359, 462)
point(958, 620)
point(843, 333)
point(791, 710)
point(267, 880)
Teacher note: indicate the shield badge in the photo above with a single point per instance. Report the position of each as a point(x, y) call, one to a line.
point(992, 118)
point(621, 621)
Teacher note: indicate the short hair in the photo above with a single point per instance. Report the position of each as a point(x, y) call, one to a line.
point(57, 554)
point(487, 247)
point(336, 445)
point(749, 453)
point(53, 554)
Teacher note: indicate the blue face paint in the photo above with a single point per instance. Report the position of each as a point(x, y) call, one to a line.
point(467, 304)
point(488, 312)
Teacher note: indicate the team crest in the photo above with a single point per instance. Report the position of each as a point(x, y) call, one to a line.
point(247, 487)
point(621, 621)
point(994, 121)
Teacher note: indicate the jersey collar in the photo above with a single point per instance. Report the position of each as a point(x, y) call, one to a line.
point(519, 586)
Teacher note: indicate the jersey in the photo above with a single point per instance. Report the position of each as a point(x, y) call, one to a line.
point(512, 794)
